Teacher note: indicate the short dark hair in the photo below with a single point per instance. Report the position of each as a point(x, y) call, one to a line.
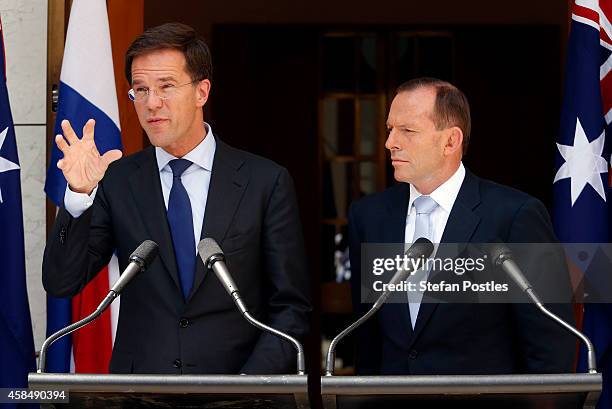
point(451, 107)
point(174, 36)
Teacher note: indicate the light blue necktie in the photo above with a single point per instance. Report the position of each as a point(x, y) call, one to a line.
point(180, 220)
point(423, 206)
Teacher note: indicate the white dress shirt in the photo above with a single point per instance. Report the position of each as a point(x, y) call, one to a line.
point(196, 180)
point(445, 196)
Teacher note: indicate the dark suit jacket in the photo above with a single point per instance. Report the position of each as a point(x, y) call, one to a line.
point(465, 338)
point(251, 212)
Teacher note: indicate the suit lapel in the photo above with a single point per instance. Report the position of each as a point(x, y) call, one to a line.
point(228, 183)
point(462, 221)
point(460, 227)
point(146, 189)
point(395, 232)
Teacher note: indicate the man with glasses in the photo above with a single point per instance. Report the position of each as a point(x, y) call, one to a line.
point(176, 317)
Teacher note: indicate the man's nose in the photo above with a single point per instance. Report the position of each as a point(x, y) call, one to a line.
point(390, 143)
point(153, 101)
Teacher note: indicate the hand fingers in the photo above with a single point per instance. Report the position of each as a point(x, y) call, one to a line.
point(111, 156)
point(88, 129)
point(69, 132)
point(61, 143)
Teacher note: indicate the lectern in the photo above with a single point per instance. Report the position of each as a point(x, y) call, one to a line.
point(562, 391)
point(176, 391)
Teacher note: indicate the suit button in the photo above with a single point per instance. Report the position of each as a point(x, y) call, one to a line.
point(62, 235)
point(184, 323)
point(177, 363)
point(413, 354)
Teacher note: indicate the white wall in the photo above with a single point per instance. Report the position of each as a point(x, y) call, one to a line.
point(24, 23)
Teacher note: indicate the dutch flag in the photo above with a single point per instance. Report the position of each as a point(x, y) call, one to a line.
point(87, 90)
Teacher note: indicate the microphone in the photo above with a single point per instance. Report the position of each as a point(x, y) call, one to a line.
point(501, 256)
point(420, 248)
point(140, 259)
point(214, 259)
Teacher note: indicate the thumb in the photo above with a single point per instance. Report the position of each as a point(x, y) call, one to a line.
point(111, 156)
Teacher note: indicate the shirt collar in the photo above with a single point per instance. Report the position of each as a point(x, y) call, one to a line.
point(202, 155)
point(446, 194)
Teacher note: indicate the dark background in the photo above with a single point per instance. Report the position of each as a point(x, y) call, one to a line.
point(273, 66)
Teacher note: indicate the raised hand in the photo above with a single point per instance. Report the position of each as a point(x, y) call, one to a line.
point(82, 165)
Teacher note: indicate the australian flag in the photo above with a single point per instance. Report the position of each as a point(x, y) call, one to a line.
point(16, 341)
point(581, 185)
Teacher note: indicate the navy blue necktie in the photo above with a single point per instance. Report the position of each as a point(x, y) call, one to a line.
point(181, 226)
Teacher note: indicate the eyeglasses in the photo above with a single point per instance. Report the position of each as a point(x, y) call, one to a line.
point(164, 92)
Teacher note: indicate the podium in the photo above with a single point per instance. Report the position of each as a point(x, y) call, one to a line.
point(562, 391)
point(176, 391)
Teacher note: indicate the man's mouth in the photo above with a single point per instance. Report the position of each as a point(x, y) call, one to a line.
point(156, 121)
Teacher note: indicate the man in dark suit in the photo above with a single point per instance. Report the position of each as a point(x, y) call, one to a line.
point(176, 317)
point(429, 127)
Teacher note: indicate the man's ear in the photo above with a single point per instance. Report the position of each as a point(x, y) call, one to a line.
point(454, 140)
point(203, 91)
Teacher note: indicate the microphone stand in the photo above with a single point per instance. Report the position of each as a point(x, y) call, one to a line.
point(522, 282)
point(73, 327)
point(421, 246)
point(225, 278)
point(331, 352)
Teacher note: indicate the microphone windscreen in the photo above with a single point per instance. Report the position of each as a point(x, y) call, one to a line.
point(207, 248)
point(146, 252)
point(498, 252)
point(421, 247)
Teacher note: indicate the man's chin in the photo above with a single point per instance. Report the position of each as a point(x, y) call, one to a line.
point(401, 177)
point(156, 137)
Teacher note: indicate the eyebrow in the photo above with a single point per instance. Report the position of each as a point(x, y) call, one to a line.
point(163, 79)
point(400, 125)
